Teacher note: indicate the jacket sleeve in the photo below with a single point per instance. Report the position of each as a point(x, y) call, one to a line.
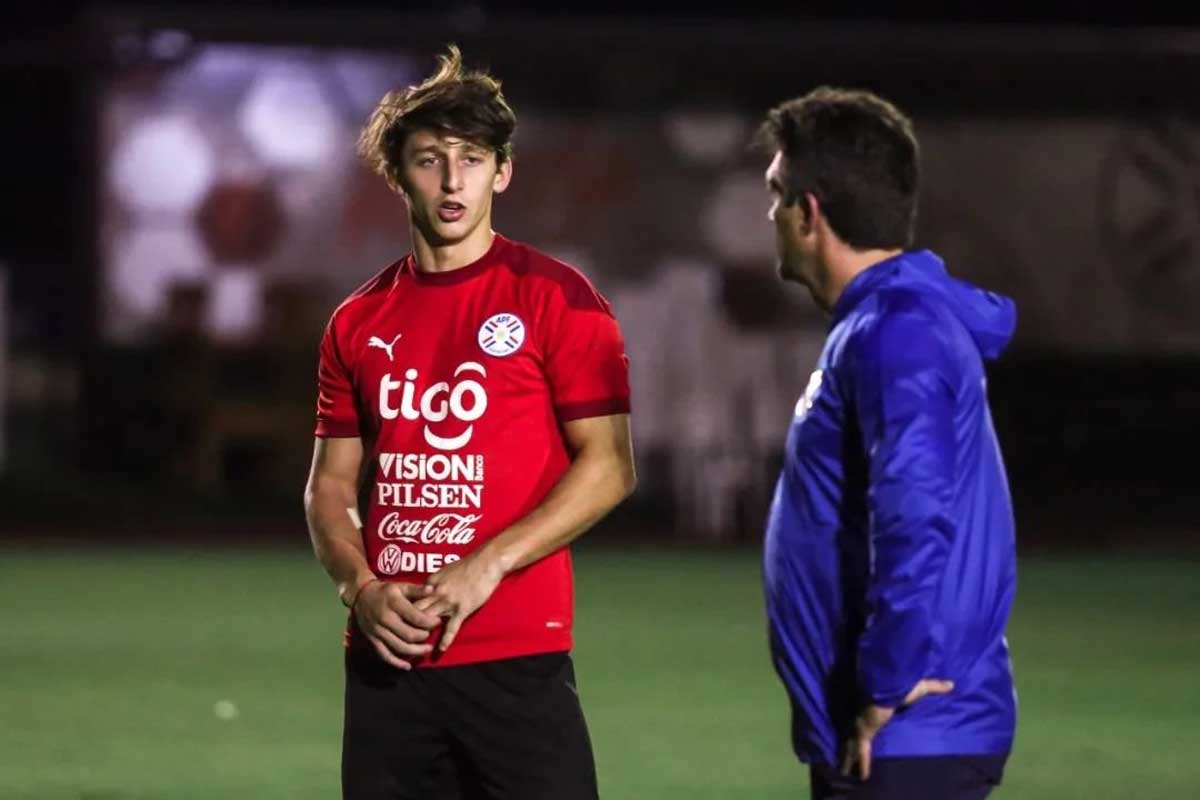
point(905, 401)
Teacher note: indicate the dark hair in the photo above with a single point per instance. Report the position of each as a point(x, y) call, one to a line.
point(858, 155)
point(452, 101)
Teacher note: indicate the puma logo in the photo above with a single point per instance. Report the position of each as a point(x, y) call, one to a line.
point(375, 341)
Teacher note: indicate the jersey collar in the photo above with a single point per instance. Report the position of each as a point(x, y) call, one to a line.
point(408, 267)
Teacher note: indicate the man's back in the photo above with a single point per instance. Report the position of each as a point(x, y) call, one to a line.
point(893, 470)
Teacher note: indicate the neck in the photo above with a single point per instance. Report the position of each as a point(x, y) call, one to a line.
point(844, 265)
point(433, 256)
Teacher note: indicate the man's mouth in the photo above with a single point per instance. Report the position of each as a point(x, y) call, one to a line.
point(451, 211)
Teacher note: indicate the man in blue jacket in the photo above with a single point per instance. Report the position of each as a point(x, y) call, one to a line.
point(889, 561)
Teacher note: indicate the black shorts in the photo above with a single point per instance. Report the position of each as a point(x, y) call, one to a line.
point(498, 729)
point(914, 778)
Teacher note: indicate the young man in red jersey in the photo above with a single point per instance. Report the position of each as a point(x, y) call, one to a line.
point(484, 387)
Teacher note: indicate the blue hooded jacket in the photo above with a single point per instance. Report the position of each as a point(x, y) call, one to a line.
point(890, 552)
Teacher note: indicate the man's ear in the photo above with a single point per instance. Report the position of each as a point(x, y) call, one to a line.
point(810, 209)
point(806, 200)
point(504, 173)
point(396, 183)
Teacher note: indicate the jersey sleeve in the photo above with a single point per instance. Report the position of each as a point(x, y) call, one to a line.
point(585, 361)
point(906, 407)
point(337, 413)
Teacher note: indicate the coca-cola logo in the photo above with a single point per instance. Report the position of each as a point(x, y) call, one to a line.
point(441, 529)
point(465, 401)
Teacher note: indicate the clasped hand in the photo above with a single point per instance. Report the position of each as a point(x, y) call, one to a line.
point(399, 618)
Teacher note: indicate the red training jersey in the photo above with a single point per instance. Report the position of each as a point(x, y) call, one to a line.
point(458, 382)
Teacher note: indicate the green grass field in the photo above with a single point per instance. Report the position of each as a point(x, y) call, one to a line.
point(111, 663)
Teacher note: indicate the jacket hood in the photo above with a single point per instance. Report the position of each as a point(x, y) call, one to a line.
point(990, 318)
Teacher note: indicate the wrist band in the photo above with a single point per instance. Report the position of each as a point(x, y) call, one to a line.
point(359, 591)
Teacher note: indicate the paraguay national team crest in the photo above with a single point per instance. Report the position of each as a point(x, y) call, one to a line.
point(502, 335)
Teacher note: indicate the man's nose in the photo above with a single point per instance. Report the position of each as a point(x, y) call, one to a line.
point(452, 177)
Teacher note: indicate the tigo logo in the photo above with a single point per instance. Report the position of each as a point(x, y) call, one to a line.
point(466, 402)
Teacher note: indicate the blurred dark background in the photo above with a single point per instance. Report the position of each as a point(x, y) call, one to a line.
point(182, 211)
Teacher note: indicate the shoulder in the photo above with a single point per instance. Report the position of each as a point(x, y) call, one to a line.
point(366, 296)
point(901, 328)
point(554, 281)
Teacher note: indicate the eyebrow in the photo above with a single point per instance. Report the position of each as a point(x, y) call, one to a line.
point(466, 147)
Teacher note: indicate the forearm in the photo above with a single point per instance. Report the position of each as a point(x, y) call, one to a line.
point(337, 539)
point(898, 646)
point(593, 485)
point(907, 404)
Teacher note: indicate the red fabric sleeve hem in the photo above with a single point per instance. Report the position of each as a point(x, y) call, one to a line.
point(337, 429)
point(592, 408)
